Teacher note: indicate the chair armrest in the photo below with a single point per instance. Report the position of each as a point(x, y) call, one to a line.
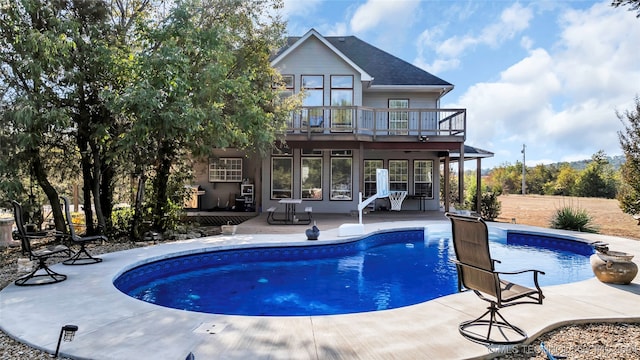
point(535, 276)
point(89, 238)
point(520, 272)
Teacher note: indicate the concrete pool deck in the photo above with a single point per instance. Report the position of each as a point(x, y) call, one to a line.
point(115, 326)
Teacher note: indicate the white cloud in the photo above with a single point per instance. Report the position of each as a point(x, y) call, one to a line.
point(561, 101)
point(300, 8)
point(375, 14)
point(527, 42)
point(512, 21)
point(337, 29)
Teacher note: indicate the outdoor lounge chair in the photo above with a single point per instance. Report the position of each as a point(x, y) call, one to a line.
point(476, 272)
point(42, 274)
point(82, 257)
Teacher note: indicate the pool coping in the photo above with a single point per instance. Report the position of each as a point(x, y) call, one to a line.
point(115, 326)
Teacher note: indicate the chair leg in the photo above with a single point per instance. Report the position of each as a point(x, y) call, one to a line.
point(49, 276)
point(82, 257)
point(510, 334)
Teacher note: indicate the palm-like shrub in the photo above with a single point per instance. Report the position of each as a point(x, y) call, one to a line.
point(576, 219)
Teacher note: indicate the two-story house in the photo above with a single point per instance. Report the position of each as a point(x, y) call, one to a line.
point(363, 109)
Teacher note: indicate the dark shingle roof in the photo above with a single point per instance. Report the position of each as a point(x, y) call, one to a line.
point(385, 68)
point(471, 152)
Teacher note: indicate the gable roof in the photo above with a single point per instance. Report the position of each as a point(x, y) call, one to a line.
point(376, 66)
point(294, 42)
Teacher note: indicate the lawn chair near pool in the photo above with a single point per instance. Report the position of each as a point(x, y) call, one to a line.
point(476, 272)
point(42, 274)
point(82, 257)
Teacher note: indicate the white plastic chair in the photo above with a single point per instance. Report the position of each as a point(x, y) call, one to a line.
point(396, 198)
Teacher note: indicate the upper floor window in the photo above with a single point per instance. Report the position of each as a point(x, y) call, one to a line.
point(288, 81)
point(225, 170)
point(313, 88)
point(341, 95)
point(288, 84)
point(398, 120)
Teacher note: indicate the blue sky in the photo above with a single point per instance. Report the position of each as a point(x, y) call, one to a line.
point(548, 74)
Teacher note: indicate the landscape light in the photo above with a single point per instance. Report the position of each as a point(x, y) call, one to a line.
point(66, 333)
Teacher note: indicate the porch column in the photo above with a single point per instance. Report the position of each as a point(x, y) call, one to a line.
point(447, 190)
point(257, 189)
point(361, 172)
point(461, 175)
point(478, 184)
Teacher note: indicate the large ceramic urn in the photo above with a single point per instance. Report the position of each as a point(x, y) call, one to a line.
point(613, 267)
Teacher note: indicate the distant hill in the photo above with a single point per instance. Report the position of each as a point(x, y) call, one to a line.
point(615, 161)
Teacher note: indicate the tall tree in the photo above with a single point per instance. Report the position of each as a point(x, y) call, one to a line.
point(565, 181)
point(58, 58)
point(629, 196)
point(537, 177)
point(597, 179)
point(33, 55)
point(203, 81)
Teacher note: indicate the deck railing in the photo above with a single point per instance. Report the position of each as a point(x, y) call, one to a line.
point(378, 121)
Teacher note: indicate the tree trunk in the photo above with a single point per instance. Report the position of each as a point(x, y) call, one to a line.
point(161, 185)
point(42, 178)
point(106, 192)
point(87, 183)
point(97, 178)
point(136, 222)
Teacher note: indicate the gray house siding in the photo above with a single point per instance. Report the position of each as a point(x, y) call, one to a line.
point(416, 101)
point(325, 205)
point(321, 205)
point(222, 195)
point(314, 58)
point(418, 133)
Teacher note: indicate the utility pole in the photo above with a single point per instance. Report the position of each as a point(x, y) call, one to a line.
point(524, 170)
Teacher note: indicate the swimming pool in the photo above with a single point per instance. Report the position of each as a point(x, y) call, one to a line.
point(384, 270)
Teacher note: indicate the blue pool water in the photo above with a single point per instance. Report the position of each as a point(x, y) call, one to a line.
point(383, 271)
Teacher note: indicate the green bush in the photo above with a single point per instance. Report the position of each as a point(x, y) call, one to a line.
point(121, 219)
point(570, 218)
point(490, 207)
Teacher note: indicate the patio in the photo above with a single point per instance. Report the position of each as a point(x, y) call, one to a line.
point(115, 326)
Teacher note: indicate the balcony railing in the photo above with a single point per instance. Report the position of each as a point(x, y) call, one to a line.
point(378, 122)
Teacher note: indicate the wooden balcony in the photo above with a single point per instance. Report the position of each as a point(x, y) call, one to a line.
point(348, 123)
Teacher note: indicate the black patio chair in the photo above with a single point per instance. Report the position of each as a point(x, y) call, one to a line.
point(42, 274)
point(82, 256)
point(476, 272)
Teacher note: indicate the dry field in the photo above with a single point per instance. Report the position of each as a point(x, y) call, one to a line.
point(537, 210)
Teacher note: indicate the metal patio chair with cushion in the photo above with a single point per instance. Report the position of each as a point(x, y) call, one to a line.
point(476, 272)
point(82, 257)
point(42, 274)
